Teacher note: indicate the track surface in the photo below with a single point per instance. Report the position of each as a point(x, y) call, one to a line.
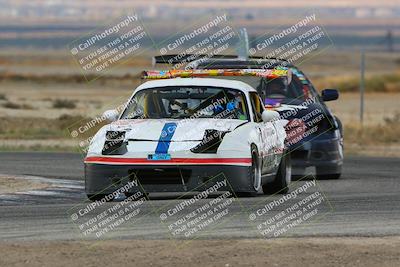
point(364, 202)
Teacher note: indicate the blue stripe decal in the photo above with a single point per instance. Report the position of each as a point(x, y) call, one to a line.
point(165, 138)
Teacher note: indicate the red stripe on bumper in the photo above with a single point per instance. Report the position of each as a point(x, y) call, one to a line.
point(174, 161)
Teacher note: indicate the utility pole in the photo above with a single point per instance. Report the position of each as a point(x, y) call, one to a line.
point(389, 41)
point(362, 85)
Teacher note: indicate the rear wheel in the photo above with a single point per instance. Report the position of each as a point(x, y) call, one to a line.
point(283, 177)
point(332, 176)
point(253, 175)
point(324, 175)
point(328, 172)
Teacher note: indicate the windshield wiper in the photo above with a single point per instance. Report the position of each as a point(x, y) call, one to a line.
point(134, 117)
point(181, 116)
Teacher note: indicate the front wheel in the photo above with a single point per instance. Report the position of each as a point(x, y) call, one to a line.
point(283, 177)
point(253, 176)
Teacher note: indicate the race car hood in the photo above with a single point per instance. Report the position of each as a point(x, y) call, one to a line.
point(300, 108)
point(311, 114)
point(176, 130)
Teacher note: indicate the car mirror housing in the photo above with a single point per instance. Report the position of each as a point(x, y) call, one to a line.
point(329, 94)
point(270, 115)
point(111, 115)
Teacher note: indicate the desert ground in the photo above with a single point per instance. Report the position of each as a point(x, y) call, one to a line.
point(366, 252)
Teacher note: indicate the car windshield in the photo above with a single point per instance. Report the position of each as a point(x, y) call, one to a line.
point(179, 102)
point(277, 88)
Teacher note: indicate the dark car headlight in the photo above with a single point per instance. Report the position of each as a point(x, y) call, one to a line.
point(114, 143)
point(327, 124)
point(211, 141)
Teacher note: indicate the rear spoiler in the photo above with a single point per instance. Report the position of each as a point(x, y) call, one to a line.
point(242, 50)
point(169, 74)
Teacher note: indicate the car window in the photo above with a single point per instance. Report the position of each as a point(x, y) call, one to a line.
point(257, 106)
point(177, 102)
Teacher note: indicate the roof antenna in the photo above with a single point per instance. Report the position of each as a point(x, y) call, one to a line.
point(243, 45)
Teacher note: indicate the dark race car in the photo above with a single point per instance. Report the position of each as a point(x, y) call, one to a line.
point(315, 135)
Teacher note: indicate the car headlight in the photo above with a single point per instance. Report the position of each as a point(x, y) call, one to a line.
point(211, 141)
point(114, 143)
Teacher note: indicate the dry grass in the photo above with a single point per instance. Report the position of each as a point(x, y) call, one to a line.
point(382, 133)
point(65, 78)
point(12, 105)
point(383, 83)
point(37, 128)
point(64, 103)
point(378, 139)
point(90, 99)
point(377, 108)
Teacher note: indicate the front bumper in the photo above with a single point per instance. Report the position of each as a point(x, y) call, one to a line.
point(325, 154)
point(105, 178)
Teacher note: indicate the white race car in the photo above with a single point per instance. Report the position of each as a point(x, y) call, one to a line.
point(177, 134)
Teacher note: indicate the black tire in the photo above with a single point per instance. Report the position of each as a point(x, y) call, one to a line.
point(129, 194)
point(253, 175)
point(324, 173)
point(333, 176)
point(98, 197)
point(283, 177)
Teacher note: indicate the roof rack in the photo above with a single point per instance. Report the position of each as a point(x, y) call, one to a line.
point(169, 74)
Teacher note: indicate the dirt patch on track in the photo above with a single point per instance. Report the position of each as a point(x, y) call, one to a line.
point(349, 251)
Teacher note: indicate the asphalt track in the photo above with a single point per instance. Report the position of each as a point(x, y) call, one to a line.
point(364, 202)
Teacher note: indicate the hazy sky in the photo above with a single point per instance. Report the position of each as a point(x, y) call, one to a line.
point(343, 12)
point(230, 3)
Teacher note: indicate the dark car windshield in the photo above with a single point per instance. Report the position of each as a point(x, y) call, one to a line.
point(281, 89)
point(277, 88)
point(179, 102)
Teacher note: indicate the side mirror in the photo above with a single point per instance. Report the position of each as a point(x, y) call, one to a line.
point(270, 115)
point(329, 94)
point(111, 115)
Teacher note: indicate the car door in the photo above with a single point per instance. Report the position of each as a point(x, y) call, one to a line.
point(268, 136)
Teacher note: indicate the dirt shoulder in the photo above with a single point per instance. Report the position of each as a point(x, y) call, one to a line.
point(391, 150)
point(349, 251)
point(12, 184)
